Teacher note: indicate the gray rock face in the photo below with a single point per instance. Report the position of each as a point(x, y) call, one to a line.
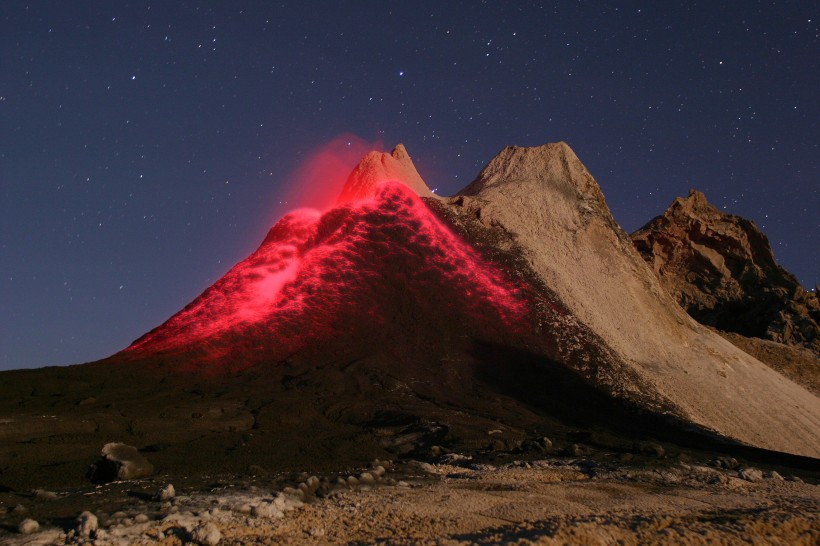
point(120, 462)
point(721, 269)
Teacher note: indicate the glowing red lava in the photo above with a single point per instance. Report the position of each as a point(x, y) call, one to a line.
point(361, 268)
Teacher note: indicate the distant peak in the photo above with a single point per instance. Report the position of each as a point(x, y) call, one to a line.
point(378, 167)
point(537, 168)
point(694, 203)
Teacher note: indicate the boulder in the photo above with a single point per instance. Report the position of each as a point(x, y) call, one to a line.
point(120, 462)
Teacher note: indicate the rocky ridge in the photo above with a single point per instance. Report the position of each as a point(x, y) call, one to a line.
point(721, 269)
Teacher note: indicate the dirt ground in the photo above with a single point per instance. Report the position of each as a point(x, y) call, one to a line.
point(556, 500)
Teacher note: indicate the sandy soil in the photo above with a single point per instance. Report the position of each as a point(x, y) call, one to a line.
point(459, 501)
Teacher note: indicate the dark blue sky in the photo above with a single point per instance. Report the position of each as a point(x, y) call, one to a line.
point(145, 147)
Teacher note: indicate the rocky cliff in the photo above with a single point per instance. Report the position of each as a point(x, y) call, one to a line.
point(721, 269)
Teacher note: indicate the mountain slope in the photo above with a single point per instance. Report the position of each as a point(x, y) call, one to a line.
point(553, 210)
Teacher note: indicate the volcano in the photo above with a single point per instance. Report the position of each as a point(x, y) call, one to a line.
point(398, 321)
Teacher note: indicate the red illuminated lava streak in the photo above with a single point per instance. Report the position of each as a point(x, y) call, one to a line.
point(355, 269)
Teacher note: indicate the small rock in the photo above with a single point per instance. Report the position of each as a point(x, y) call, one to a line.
point(427, 467)
point(166, 493)
point(750, 474)
point(367, 478)
point(87, 524)
point(379, 471)
point(18, 510)
point(120, 462)
point(243, 509)
point(141, 518)
point(403, 484)
point(352, 480)
point(729, 463)
point(267, 510)
point(28, 526)
point(119, 515)
point(43, 495)
point(206, 534)
point(774, 475)
point(651, 448)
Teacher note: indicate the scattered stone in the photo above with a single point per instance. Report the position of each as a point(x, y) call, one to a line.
point(427, 467)
point(87, 525)
point(455, 459)
point(28, 526)
point(206, 534)
point(141, 518)
point(166, 493)
point(729, 463)
point(750, 474)
point(120, 462)
point(650, 448)
point(43, 495)
point(379, 471)
point(352, 481)
point(774, 475)
point(267, 510)
point(18, 510)
point(243, 509)
point(367, 478)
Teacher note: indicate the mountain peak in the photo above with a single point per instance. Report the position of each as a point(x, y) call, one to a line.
point(378, 167)
point(553, 168)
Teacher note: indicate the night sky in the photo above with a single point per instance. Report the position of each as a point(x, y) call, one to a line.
point(146, 148)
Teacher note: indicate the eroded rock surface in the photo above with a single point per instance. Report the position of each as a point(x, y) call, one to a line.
point(721, 269)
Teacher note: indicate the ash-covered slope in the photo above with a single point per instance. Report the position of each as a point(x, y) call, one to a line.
point(721, 269)
point(379, 271)
point(554, 212)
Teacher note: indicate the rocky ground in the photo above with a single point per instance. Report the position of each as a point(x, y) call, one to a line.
point(602, 499)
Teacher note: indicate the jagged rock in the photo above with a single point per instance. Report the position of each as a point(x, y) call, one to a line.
point(87, 524)
point(751, 474)
point(166, 493)
point(120, 462)
point(721, 269)
point(206, 534)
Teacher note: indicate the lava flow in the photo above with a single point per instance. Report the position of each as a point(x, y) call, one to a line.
point(380, 264)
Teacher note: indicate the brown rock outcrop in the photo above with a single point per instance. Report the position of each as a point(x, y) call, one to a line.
point(721, 269)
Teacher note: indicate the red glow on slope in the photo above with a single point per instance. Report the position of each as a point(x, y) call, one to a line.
point(319, 179)
point(358, 270)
